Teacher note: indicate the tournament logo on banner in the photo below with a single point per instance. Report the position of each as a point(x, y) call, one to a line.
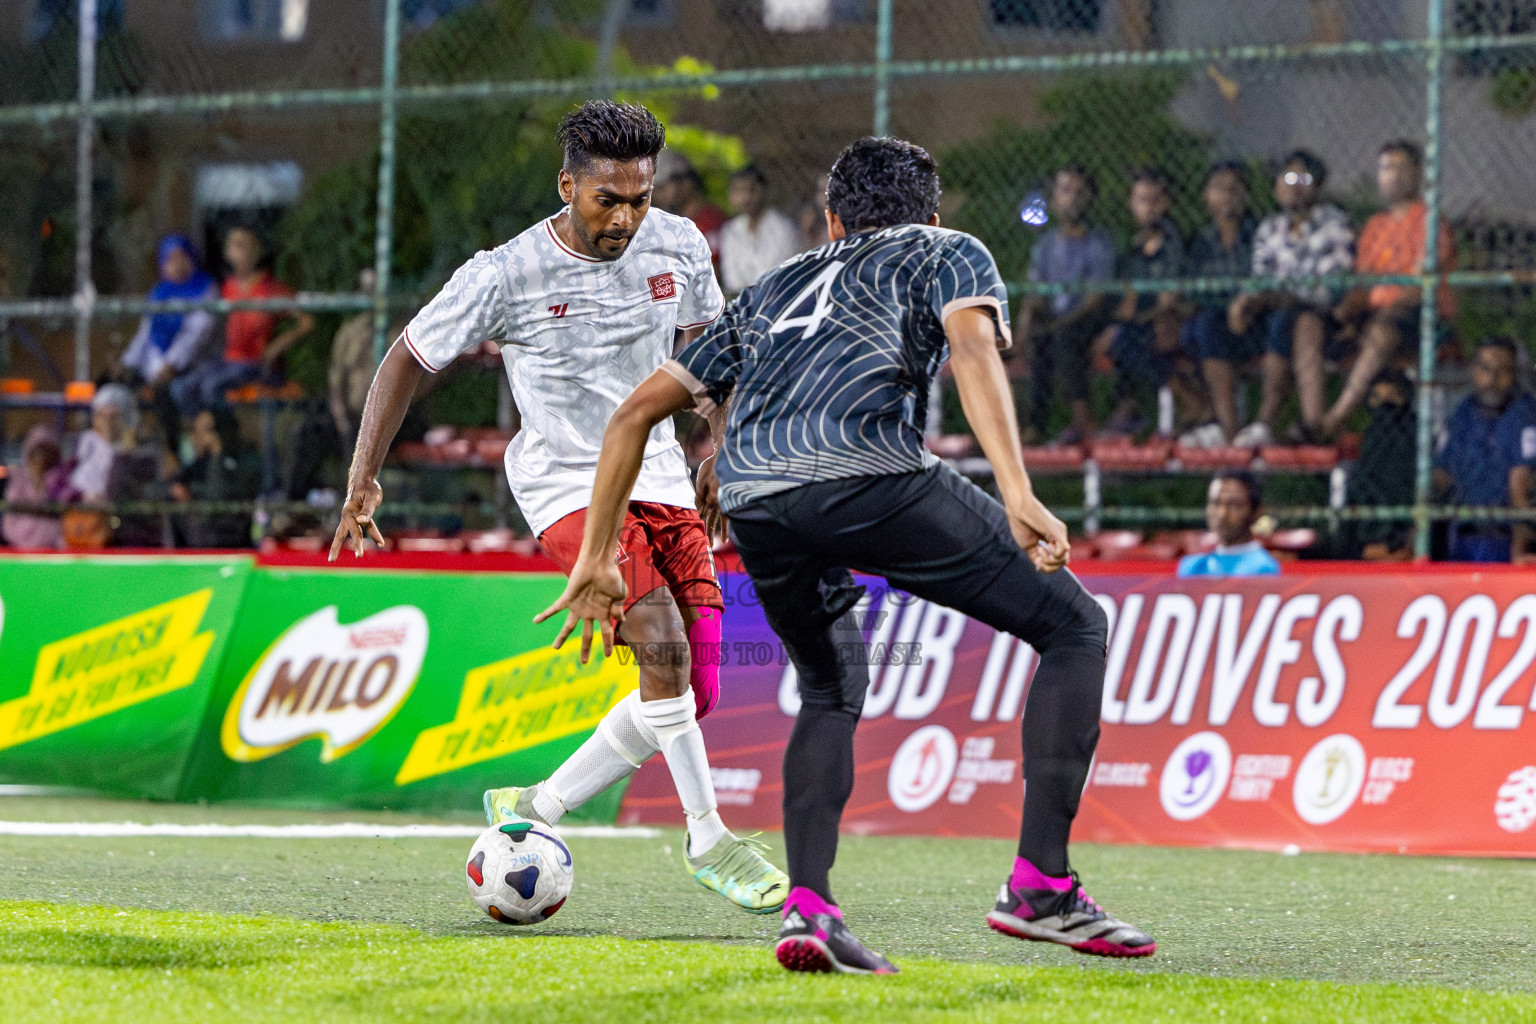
point(320, 678)
point(922, 768)
point(1373, 710)
point(1195, 776)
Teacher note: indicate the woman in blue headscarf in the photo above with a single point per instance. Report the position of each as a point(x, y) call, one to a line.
point(169, 344)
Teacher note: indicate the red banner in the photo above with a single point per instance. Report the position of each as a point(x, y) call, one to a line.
point(1340, 710)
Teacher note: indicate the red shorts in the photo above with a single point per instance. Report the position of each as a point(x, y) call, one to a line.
point(659, 546)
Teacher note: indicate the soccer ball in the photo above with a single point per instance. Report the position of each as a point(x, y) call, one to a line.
point(520, 872)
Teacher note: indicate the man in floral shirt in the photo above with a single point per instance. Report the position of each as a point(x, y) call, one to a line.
point(1306, 239)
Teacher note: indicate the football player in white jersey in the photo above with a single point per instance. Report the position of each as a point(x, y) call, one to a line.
point(586, 305)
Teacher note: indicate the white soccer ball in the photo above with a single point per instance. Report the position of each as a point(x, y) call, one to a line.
point(1515, 808)
point(520, 872)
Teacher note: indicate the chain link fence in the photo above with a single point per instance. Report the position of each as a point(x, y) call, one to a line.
point(400, 136)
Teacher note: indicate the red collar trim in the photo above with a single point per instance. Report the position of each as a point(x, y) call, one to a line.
point(549, 225)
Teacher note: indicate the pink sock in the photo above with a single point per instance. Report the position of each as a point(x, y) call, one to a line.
point(1027, 876)
point(807, 902)
point(704, 660)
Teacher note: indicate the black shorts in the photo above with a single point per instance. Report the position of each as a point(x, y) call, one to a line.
point(931, 533)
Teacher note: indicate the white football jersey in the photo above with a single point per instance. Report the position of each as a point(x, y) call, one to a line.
point(577, 336)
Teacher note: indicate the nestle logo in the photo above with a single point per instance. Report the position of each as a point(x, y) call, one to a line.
point(662, 287)
point(387, 636)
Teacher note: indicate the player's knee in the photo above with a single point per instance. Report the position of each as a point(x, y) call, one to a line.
point(660, 680)
point(838, 689)
point(1082, 625)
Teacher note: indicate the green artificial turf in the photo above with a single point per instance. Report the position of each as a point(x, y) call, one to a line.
point(90, 963)
point(1238, 931)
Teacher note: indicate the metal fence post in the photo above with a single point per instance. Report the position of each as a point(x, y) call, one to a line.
point(1433, 128)
point(883, 18)
point(384, 231)
point(85, 287)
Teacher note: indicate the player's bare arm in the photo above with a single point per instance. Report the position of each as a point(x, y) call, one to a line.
point(595, 592)
point(706, 486)
point(985, 396)
point(388, 399)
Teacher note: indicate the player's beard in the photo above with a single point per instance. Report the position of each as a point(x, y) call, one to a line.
point(592, 241)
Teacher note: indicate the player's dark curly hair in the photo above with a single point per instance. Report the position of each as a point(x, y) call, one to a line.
point(605, 130)
point(1248, 481)
point(877, 183)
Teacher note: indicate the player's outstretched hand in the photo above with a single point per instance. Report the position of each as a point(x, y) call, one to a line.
point(595, 593)
point(1042, 536)
point(356, 517)
point(706, 497)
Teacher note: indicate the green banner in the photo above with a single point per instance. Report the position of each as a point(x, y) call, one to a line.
point(107, 665)
point(396, 689)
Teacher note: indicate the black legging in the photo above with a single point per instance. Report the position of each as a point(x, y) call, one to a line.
point(939, 537)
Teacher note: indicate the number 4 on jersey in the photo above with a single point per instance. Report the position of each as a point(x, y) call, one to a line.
point(820, 289)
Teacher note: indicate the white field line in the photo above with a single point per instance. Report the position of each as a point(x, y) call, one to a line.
point(338, 830)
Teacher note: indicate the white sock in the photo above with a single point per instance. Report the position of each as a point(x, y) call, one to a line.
point(546, 805)
point(610, 754)
point(672, 724)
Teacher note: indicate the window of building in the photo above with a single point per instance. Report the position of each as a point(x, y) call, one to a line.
point(1076, 16)
point(650, 13)
point(812, 15)
point(253, 20)
point(420, 14)
point(50, 16)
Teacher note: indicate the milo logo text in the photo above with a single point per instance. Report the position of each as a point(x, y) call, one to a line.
point(321, 679)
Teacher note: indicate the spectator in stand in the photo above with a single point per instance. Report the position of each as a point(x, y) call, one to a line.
point(252, 345)
point(114, 426)
point(37, 478)
point(1062, 327)
point(1223, 248)
point(169, 345)
point(679, 190)
point(111, 465)
point(353, 366)
point(813, 217)
point(1392, 242)
point(223, 468)
point(1384, 472)
point(1145, 340)
point(1232, 505)
point(758, 238)
point(1305, 239)
point(1487, 453)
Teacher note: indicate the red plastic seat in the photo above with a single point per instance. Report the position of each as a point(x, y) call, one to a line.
point(1294, 539)
point(1065, 457)
point(1112, 455)
point(1300, 456)
point(1214, 458)
point(952, 446)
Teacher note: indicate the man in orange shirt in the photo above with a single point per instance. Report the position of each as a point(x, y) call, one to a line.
point(1392, 243)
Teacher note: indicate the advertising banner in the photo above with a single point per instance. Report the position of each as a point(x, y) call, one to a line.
point(1387, 711)
point(106, 666)
point(397, 690)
